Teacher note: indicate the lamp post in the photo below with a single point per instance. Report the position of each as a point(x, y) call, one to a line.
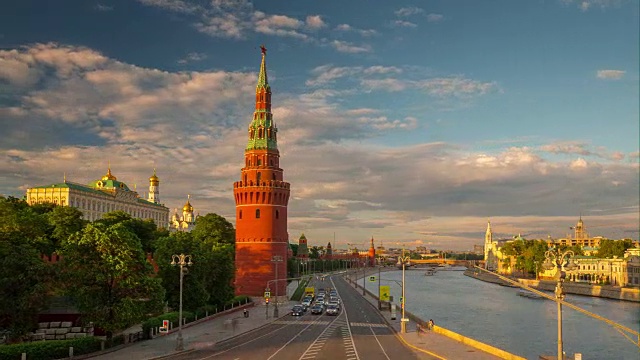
point(276, 259)
point(403, 322)
point(561, 261)
point(181, 260)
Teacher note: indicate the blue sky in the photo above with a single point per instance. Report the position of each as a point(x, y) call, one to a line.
point(413, 122)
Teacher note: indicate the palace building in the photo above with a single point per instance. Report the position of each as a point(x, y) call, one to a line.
point(102, 196)
point(261, 198)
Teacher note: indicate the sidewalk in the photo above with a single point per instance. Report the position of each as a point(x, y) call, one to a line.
point(203, 334)
point(427, 343)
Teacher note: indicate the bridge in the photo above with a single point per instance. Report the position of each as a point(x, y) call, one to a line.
point(435, 262)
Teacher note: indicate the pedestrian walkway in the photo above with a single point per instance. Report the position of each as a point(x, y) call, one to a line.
point(202, 334)
point(428, 344)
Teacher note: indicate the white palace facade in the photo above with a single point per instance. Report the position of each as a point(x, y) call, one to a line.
point(102, 196)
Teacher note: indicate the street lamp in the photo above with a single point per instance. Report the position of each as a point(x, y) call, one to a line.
point(403, 322)
point(182, 260)
point(276, 259)
point(555, 259)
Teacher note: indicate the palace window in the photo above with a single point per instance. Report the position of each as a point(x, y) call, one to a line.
point(257, 213)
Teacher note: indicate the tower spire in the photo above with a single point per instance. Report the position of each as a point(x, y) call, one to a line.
point(262, 130)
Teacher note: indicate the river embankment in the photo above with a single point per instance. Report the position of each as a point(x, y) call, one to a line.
point(603, 291)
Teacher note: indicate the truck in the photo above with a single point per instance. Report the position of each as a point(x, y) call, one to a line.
point(309, 291)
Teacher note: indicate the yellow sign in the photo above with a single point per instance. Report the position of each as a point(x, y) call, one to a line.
point(384, 292)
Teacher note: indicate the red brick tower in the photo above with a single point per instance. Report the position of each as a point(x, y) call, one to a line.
point(372, 254)
point(261, 198)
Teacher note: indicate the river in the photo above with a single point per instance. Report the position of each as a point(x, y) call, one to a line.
point(496, 315)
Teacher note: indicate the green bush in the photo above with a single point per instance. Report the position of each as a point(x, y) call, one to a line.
point(157, 321)
point(207, 309)
point(50, 349)
point(297, 295)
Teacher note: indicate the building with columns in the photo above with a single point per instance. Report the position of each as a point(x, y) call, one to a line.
point(104, 195)
point(261, 198)
point(186, 221)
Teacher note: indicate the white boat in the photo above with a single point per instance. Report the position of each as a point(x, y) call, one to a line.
point(430, 272)
point(529, 294)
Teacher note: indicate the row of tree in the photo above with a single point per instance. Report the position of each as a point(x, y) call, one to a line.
point(106, 267)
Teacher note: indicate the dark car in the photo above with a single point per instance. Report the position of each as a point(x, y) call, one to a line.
point(297, 310)
point(317, 309)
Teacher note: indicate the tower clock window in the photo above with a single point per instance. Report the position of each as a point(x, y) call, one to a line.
point(257, 213)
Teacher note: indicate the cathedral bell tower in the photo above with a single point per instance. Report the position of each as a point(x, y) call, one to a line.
point(261, 198)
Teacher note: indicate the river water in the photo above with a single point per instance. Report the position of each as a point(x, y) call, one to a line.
point(496, 315)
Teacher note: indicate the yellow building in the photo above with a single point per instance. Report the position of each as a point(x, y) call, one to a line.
point(102, 196)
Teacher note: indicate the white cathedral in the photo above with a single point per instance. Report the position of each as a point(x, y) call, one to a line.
point(187, 221)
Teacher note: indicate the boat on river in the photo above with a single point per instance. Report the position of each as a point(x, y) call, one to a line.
point(529, 294)
point(430, 272)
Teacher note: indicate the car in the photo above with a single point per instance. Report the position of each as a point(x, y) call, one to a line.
point(317, 309)
point(332, 310)
point(307, 301)
point(334, 298)
point(320, 300)
point(334, 303)
point(297, 310)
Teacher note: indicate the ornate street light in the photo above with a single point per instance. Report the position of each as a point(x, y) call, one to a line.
point(555, 259)
point(181, 260)
point(403, 322)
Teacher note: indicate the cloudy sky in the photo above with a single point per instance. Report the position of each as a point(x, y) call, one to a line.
point(410, 121)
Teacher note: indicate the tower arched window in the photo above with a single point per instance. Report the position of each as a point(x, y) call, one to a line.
point(273, 176)
point(240, 215)
point(257, 213)
point(277, 214)
point(259, 178)
point(259, 162)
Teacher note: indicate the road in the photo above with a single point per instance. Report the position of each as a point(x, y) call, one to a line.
point(358, 333)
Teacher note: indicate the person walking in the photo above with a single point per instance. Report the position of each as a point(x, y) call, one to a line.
point(430, 324)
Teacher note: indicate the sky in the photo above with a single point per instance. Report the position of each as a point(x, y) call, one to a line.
point(412, 122)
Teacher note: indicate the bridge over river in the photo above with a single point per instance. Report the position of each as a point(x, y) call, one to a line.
point(527, 327)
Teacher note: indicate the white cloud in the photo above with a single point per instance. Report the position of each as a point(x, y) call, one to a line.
point(457, 86)
point(579, 164)
point(403, 23)
point(102, 7)
point(610, 74)
point(408, 11)
point(347, 47)
point(363, 32)
point(435, 17)
point(585, 5)
point(192, 57)
point(315, 22)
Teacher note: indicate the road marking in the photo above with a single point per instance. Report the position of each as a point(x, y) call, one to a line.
point(368, 324)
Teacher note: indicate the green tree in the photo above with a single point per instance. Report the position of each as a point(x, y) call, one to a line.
point(25, 281)
point(65, 221)
point(146, 230)
point(610, 248)
point(109, 278)
point(214, 229)
point(195, 293)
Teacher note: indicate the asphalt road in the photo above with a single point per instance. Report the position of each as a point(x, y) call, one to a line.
point(357, 333)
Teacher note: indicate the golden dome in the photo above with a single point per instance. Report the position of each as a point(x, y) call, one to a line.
point(109, 176)
point(153, 177)
point(187, 207)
